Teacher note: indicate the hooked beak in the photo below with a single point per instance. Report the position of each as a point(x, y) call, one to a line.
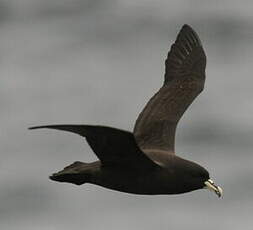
point(211, 186)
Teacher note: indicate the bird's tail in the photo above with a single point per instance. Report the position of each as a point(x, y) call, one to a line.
point(76, 173)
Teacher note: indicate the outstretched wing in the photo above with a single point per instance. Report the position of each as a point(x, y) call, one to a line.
point(184, 79)
point(114, 147)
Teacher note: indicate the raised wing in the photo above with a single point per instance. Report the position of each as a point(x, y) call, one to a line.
point(184, 79)
point(114, 147)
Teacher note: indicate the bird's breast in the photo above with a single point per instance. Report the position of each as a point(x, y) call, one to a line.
point(133, 181)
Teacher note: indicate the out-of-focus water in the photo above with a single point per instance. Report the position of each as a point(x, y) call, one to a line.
point(99, 62)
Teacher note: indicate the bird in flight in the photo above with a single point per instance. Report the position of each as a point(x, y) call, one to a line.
point(144, 162)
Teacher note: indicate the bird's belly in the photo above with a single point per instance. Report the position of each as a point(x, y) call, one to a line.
point(128, 181)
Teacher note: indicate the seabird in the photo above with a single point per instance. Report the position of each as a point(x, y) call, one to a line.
point(144, 162)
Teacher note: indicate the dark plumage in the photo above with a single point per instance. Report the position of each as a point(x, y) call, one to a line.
point(144, 162)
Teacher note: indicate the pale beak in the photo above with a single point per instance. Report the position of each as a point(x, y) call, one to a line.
point(211, 186)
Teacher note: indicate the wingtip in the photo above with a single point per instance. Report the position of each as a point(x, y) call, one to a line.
point(188, 31)
point(181, 52)
point(186, 26)
point(33, 127)
point(38, 127)
point(79, 129)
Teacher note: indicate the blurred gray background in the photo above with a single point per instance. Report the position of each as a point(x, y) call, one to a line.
point(99, 62)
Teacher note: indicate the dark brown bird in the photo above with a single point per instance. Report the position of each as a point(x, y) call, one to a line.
point(144, 162)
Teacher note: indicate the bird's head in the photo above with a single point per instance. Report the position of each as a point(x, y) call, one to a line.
point(195, 176)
